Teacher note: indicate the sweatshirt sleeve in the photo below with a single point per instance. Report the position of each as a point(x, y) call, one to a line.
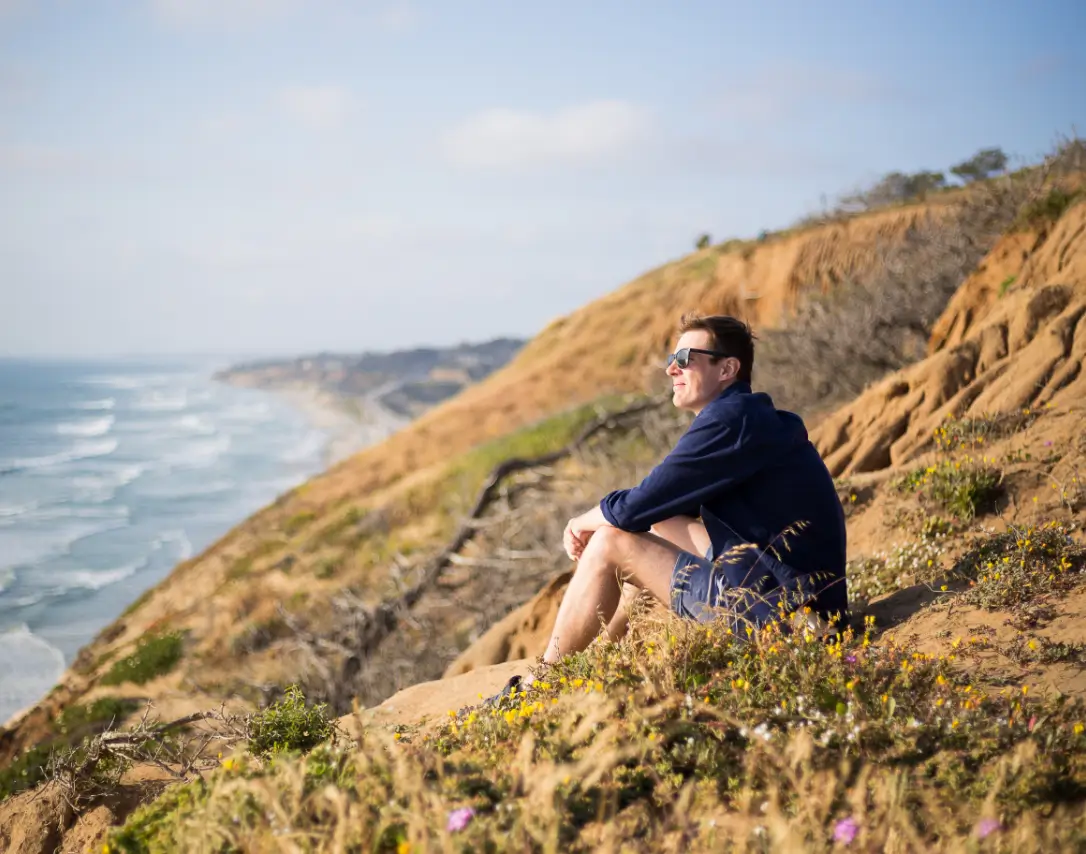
point(713, 456)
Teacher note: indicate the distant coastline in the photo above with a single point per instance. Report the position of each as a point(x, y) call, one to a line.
point(361, 399)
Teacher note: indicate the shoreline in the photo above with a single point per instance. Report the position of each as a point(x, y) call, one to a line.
point(351, 424)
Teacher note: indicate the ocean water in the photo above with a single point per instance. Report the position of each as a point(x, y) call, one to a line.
point(111, 474)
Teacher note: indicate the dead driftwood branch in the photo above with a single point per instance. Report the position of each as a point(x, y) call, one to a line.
point(95, 767)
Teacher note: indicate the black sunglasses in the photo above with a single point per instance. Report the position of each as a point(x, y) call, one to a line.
point(682, 357)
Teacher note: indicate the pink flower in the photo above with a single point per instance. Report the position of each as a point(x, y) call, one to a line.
point(459, 819)
point(845, 830)
point(987, 826)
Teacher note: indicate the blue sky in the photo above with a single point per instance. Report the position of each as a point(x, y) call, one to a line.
point(285, 176)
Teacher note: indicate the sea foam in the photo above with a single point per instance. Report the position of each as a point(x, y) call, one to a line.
point(87, 427)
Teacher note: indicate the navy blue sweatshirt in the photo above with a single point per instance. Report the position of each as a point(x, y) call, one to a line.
point(752, 475)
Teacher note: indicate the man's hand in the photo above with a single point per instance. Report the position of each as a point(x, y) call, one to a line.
point(574, 540)
point(579, 530)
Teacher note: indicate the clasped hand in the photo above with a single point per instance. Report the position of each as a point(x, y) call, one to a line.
point(575, 538)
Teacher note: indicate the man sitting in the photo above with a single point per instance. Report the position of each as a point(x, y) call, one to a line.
point(744, 484)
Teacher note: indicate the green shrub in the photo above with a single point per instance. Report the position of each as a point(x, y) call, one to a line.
point(1015, 567)
point(964, 488)
point(289, 725)
point(328, 765)
point(26, 771)
point(155, 655)
point(973, 433)
point(1047, 209)
point(102, 712)
point(935, 527)
point(887, 572)
point(156, 828)
point(298, 521)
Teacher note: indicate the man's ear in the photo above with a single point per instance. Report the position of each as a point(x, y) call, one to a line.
point(731, 368)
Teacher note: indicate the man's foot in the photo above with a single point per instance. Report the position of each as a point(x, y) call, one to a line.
point(510, 690)
point(516, 684)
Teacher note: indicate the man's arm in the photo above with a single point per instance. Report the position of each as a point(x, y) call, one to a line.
point(711, 457)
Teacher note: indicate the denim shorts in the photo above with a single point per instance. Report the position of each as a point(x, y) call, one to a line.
point(693, 585)
point(741, 586)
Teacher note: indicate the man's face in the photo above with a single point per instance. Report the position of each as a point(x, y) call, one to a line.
point(700, 381)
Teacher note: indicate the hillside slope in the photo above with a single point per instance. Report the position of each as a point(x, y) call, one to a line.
point(966, 462)
point(365, 580)
point(1022, 349)
point(400, 500)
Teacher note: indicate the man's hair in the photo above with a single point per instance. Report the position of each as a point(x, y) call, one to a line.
point(729, 335)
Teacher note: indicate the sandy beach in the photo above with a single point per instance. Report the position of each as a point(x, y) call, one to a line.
point(351, 423)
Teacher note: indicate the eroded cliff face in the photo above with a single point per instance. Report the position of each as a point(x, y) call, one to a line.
point(998, 347)
point(378, 517)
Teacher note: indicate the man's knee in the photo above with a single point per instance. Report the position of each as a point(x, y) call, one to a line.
point(607, 540)
point(610, 543)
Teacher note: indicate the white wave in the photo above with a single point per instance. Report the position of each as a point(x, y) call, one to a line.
point(249, 412)
point(118, 382)
point(131, 381)
point(197, 424)
point(193, 491)
point(29, 666)
point(158, 402)
point(100, 488)
point(7, 575)
point(8, 511)
point(79, 451)
point(309, 449)
point(45, 514)
point(88, 427)
point(104, 403)
point(89, 579)
point(180, 540)
point(199, 454)
point(36, 544)
point(25, 601)
point(114, 478)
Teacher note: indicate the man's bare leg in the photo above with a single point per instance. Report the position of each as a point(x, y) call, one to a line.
point(644, 560)
point(685, 532)
point(620, 622)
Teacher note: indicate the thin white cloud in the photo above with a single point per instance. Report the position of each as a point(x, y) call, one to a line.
point(503, 138)
point(316, 107)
